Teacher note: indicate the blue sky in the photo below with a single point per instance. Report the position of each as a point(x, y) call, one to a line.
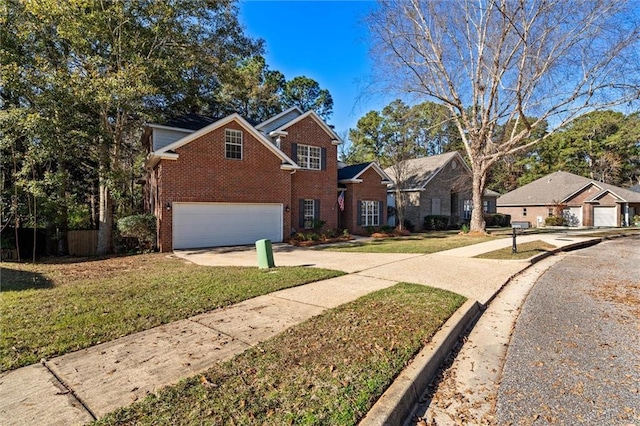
point(323, 40)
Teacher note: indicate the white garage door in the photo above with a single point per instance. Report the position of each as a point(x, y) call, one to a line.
point(604, 216)
point(223, 224)
point(573, 215)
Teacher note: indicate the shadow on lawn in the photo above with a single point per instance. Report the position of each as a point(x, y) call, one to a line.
point(13, 280)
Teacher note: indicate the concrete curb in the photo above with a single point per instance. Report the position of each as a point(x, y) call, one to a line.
point(400, 398)
point(398, 402)
point(569, 247)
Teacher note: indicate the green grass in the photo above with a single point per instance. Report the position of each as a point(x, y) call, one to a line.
point(525, 251)
point(54, 308)
point(328, 370)
point(429, 242)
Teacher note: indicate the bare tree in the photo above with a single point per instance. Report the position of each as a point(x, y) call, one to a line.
point(498, 61)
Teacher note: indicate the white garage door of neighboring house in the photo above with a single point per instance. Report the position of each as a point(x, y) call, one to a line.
point(573, 215)
point(604, 216)
point(225, 224)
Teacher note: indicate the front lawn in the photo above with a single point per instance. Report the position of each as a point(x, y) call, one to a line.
point(57, 307)
point(328, 370)
point(428, 242)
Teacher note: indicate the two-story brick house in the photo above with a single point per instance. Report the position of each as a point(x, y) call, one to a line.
point(220, 182)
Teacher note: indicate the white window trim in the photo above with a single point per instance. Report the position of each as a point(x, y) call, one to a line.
point(309, 218)
point(231, 137)
point(304, 159)
point(370, 213)
point(467, 208)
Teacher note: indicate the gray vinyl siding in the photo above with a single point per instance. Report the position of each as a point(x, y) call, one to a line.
point(279, 122)
point(164, 137)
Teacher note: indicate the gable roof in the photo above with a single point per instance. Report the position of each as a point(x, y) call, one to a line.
point(336, 139)
point(420, 171)
point(351, 174)
point(278, 120)
point(490, 193)
point(190, 122)
point(167, 151)
point(560, 187)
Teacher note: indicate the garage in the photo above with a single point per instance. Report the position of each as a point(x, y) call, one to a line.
point(605, 216)
point(573, 215)
point(225, 224)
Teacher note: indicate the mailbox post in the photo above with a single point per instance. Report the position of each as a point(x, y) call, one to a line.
point(515, 226)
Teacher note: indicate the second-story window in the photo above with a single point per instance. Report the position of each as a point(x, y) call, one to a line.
point(233, 144)
point(309, 157)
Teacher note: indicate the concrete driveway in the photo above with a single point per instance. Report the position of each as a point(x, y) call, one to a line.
point(455, 270)
point(288, 255)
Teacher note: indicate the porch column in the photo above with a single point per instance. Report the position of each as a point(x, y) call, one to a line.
point(625, 209)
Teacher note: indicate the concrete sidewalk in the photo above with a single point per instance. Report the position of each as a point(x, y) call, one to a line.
point(78, 387)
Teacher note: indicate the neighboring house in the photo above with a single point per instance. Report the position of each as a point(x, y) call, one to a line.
point(635, 188)
point(585, 202)
point(364, 189)
point(219, 182)
point(437, 185)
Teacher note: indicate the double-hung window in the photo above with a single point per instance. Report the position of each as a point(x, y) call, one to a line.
point(370, 213)
point(467, 207)
point(309, 157)
point(309, 210)
point(233, 144)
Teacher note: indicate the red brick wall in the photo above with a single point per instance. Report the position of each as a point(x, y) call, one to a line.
point(313, 184)
point(370, 189)
point(203, 174)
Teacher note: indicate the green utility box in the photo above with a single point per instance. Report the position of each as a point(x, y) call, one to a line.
point(265, 254)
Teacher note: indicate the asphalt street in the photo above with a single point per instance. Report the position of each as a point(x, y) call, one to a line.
point(574, 357)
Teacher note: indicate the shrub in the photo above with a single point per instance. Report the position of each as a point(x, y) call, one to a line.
point(465, 228)
point(141, 227)
point(497, 220)
point(555, 221)
point(408, 225)
point(436, 222)
point(318, 225)
point(387, 229)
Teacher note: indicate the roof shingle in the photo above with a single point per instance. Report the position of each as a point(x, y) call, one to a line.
point(419, 171)
point(555, 188)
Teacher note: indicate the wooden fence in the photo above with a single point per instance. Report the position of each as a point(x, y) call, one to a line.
point(83, 243)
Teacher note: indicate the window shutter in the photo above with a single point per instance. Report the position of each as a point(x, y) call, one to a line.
point(316, 209)
point(380, 213)
point(301, 214)
point(294, 152)
point(323, 158)
point(359, 211)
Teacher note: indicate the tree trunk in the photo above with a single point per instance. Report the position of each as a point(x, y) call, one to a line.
point(14, 202)
point(35, 222)
point(92, 203)
point(105, 219)
point(399, 210)
point(63, 214)
point(105, 203)
point(477, 214)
